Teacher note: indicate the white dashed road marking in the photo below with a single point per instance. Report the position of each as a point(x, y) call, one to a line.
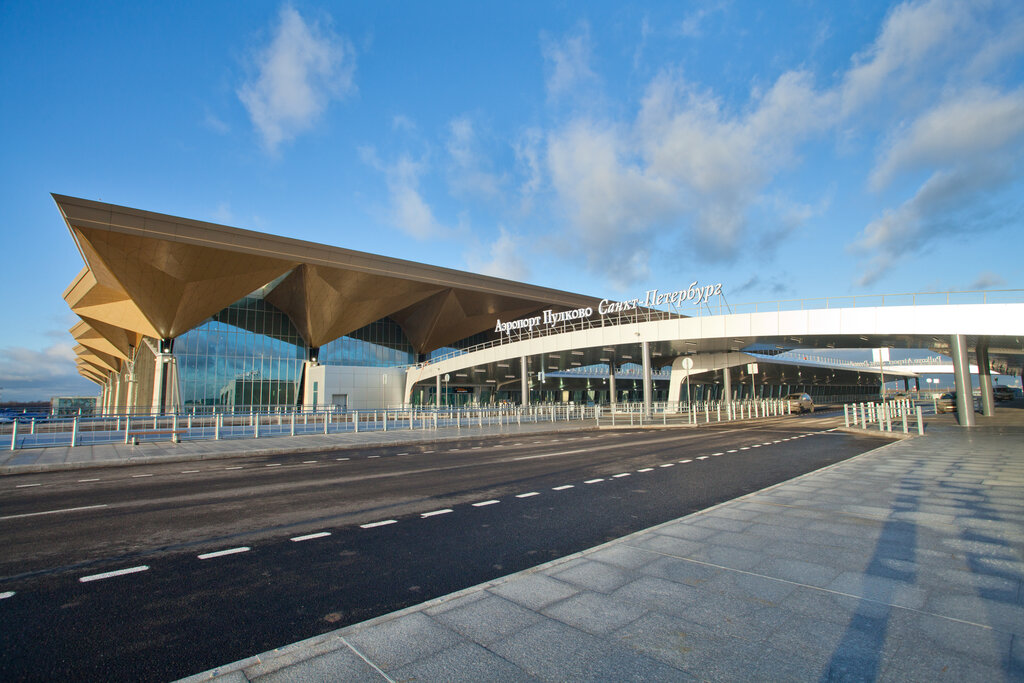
point(732, 451)
point(624, 474)
point(118, 572)
point(189, 471)
point(237, 467)
point(563, 487)
point(140, 476)
point(371, 525)
point(273, 464)
point(645, 469)
point(310, 537)
point(308, 462)
point(222, 553)
point(436, 512)
point(6, 594)
point(702, 457)
point(528, 495)
point(683, 462)
point(83, 481)
point(718, 454)
point(668, 464)
point(486, 502)
point(26, 486)
point(340, 459)
point(592, 481)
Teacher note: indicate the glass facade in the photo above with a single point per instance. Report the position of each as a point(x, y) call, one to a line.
point(251, 354)
point(380, 344)
point(248, 354)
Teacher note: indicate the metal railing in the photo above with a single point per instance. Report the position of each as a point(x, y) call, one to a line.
point(882, 415)
point(198, 426)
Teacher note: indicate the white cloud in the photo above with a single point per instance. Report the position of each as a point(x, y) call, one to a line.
point(686, 166)
point(503, 258)
point(987, 280)
point(609, 197)
point(913, 37)
point(303, 68)
point(967, 130)
point(945, 205)
point(32, 375)
point(408, 211)
point(568, 63)
point(468, 174)
point(528, 159)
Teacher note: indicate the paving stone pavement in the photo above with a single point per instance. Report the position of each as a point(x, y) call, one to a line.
point(905, 563)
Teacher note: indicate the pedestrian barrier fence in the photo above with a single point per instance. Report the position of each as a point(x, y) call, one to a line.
point(256, 424)
point(881, 415)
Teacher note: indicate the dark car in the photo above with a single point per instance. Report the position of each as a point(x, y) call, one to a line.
point(946, 403)
point(1002, 393)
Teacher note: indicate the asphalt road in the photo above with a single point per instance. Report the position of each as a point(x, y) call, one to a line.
point(217, 560)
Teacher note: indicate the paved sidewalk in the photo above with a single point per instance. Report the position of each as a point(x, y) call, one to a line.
point(905, 563)
point(149, 452)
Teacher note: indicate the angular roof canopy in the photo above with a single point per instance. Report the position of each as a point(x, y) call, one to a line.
point(153, 275)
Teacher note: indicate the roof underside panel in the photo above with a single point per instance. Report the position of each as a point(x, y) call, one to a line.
point(175, 286)
point(327, 303)
point(451, 315)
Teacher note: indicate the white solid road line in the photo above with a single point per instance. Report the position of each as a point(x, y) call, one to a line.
point(485, 502)
point(119, 572)
point(54, 512)
point(564, 487)
point(222, 553)
point(551, 455)
point(310, 537)
point(436, 513)
point(592, 481)
point(6, 594)
point(371, 525)
point(528, 495)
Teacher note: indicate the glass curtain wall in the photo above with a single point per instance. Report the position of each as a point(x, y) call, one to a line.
point(248, 354)
point(380, 344)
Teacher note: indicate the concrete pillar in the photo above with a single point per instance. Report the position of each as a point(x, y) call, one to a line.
point(726, 385)
point(611, 384)
point(962, 380)
point(524, 380)
point(985, 378)
point(648, 384)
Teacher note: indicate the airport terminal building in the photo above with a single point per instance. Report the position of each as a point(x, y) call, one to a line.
point(178, 314)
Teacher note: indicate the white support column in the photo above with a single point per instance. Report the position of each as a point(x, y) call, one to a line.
point(962, 380)
point(726, 385)
point(524, 381)
point(984, 377)
point(648, 388)
point(437, 393)
point(611, 384)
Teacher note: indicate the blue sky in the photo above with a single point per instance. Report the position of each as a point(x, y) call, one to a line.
point(784, 149)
